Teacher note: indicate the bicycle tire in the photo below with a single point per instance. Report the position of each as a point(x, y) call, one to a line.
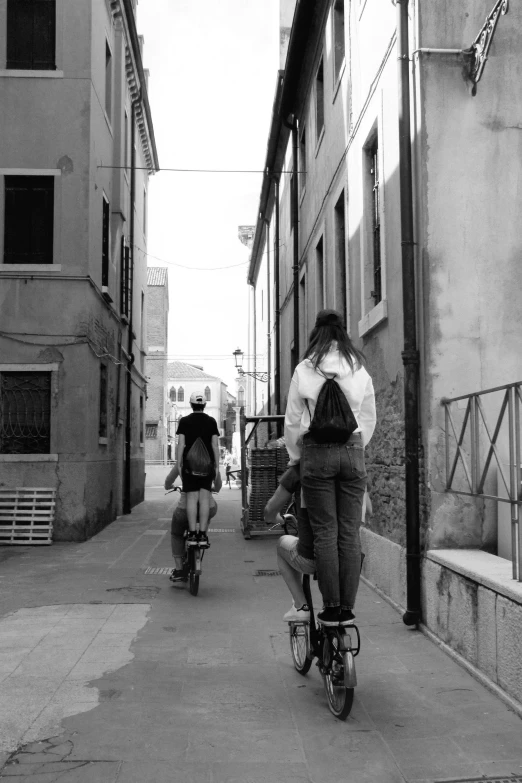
point(193, 583)
point(338, 696)
point(300, 647)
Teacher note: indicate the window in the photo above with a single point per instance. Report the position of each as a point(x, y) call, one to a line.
point(319, 101)
point(181, 394)
point(106, 219)
point(338, 36)
point(173, 394)
point(151, 431)
point(102, 428)
point(207, 394)
point(124, 278)
point(126, 141)
point(29, 217)
point(25, 413)
point(31, 34)
point(373, 180)
point(142, 422)
point(241, 397)
point(302, 160)
point(319, 271)
point(340, 258)
point(108, 80)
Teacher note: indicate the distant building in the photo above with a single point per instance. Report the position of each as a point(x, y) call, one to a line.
point(77, 145)
point(230, 421)
point(156, 413)
point(182, 380)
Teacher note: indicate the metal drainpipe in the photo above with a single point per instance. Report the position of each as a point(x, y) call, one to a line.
point(410, 355)
point(277, 378)
point(130, 293)
point(268, 324)
point(295, 217)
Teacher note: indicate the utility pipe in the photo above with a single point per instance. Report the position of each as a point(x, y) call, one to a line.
point(277, 378)
point(268, 322)
point(130, 294)
point(410, 354)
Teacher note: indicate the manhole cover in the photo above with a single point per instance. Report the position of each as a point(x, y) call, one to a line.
point(266, 572)
point(501, 779)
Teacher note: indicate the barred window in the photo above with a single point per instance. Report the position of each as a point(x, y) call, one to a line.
point(181, 394)
point(25, 412)
point(373, 158)
point(207, 394)
point(31, 34)
point(151, 431)
point(29, 216)
point(124, 277)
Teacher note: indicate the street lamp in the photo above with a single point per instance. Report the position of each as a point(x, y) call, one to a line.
point(259, 376)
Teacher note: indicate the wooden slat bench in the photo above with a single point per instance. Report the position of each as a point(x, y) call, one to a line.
point(27, 515)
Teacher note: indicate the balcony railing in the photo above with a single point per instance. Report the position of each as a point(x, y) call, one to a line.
point(483, 443)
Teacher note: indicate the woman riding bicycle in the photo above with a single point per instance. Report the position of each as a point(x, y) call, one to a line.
point(333, 474)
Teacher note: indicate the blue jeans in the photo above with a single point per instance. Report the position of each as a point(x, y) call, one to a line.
point(333, 479)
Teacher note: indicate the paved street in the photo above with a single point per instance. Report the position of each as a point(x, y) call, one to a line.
point(110, 674)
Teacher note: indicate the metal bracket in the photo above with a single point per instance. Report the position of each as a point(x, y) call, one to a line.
point(479, 49)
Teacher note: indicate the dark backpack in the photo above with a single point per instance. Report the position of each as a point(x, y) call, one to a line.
point(198, 459)
point(333, 420)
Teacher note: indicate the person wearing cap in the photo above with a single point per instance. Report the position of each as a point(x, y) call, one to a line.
point(198, 485)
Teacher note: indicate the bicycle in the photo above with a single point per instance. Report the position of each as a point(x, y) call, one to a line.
point(289, 524)
point(192, 558)
point(332, 646)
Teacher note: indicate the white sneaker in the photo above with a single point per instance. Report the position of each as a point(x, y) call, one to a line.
point(297, 615)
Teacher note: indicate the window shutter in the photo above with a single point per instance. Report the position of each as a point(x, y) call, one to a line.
point(31, 34)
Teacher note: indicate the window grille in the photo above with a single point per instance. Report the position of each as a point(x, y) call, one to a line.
point(31, 34)
point(376, 222)
point(207, 394)
point(181, 394)
point(29, 218)
point(25, 412)
point(151, 431)
point(124, 278)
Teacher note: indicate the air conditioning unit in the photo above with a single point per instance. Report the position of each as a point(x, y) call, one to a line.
point(105, 293)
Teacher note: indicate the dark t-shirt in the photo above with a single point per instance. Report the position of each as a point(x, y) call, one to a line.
point(291, 481)
point(198, 425)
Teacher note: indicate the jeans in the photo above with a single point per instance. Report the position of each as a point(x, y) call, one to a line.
point(333, 478)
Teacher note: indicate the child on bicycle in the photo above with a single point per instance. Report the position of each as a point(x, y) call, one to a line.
point(198, 462)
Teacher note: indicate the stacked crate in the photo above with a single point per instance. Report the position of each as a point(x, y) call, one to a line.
point(27, 515)
point(265, 468)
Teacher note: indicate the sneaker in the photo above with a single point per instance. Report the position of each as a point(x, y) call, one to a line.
point(329, 616)
point(178, 575)
point(192, 538)
point(294, 615)
point(203, 540)
point(346, 617)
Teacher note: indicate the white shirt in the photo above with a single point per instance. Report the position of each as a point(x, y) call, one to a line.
point(305, 387)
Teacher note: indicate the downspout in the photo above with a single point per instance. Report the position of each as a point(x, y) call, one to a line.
point(410, 354)
point(268, 322)
point(277, 378)
point(295, 217)
point(130, 294)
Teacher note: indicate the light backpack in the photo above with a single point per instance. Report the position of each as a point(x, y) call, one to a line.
point(333, 420)
point(198, 459)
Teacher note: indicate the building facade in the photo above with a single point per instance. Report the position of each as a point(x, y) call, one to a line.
point(156, 418)
point(413, 236)
point(77, 150)
point(182, 380)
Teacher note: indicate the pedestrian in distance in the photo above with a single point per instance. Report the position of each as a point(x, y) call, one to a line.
point(330, 418)
point(198, 463)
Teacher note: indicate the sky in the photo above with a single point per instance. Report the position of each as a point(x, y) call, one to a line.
point(213, 69)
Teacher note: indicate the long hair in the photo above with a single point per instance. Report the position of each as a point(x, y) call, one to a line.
point(329, 327)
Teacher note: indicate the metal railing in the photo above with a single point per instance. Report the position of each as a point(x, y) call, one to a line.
point(477, 446)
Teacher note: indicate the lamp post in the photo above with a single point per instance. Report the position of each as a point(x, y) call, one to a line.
point(238, 357)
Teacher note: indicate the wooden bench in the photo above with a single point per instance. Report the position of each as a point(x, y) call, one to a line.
point(27, 515)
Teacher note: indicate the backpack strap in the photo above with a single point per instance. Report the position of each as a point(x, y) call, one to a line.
point(325, 375)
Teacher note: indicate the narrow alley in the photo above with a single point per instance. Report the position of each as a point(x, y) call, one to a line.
point(110, 673)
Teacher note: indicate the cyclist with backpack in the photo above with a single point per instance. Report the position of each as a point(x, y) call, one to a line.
point(330, 418)
point(198, 462)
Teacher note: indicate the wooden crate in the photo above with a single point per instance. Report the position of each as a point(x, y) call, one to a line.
point(266, 467)
point(27, 515)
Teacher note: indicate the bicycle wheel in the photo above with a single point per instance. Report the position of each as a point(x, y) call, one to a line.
point(340, 698)
point(193, 583)
point(300, 646)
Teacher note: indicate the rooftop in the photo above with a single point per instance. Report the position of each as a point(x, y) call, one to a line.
point(187, 372)
point(157, 275)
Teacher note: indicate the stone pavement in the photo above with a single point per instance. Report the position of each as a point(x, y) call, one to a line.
point(110, 674)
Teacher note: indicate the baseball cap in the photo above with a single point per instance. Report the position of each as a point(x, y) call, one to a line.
point(198, 398)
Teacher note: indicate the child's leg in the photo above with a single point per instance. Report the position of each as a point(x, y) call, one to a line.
point(192, 510)
point(204, 509)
